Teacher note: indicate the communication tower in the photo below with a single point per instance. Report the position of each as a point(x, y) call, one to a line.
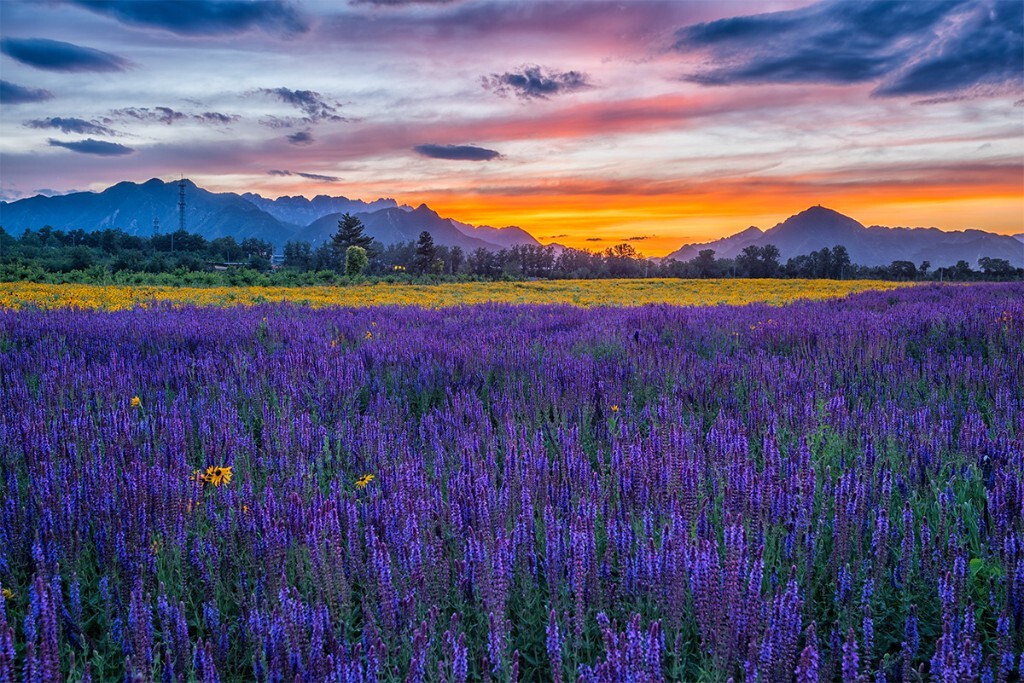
point(181, 205)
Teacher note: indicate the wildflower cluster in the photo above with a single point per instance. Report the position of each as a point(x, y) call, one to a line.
point(576, 292)
point(215, 475)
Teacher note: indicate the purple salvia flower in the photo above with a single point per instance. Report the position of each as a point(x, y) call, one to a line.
point(554, 646)
point(460, 667)
point(807, 666)
point(851, 662)
point(869, 635)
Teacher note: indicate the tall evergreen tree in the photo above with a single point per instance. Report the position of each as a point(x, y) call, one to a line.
point(426, 253)
point(350, 234)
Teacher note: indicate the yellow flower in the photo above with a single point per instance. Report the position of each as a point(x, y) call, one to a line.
point(615, 408)
point(136, 401)
point(363, 481)
point(217, 475)
point(7, 593)
point(369, 335)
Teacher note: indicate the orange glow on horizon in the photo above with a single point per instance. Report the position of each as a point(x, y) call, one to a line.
point(666, 222)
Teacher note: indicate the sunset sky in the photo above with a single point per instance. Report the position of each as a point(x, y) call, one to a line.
point(587, 123)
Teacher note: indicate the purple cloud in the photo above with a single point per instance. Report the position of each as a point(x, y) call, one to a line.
point(309, 102)
point(12, 93)
point(301, 138)
point(71, 125)
point(90, 146)
point(456, 152)
point(204, 17)
point(535, 82)
point(54, 55)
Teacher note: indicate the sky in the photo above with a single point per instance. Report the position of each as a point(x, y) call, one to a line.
point(587, 123)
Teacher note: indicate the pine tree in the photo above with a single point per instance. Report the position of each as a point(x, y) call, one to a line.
point(350, 234)
point(426, 253)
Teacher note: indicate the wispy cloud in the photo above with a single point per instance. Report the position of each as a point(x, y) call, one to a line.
point(12, 93)
point(309, 102)
point(457, 152)
point(164, 115)
point(90, 146)
point(216, 117)
point(168, 116)
point(54, 55)
point(907, 48)
point(71, 125)
point(402, 3)
point(204, 17)
point(536, 82)
point(308, 176)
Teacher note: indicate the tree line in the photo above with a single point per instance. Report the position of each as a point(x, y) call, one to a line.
point(351, 253)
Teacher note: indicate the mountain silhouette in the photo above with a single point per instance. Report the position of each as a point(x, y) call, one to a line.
point(132, 207)
point(819, 227)
point(391, 226)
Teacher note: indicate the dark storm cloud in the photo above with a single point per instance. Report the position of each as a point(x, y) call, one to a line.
point(71, 125)
point(907, 47)
point(204, 17)
point(12, 93)
point(54, 55)
point(309, 176)
point(90, 146)
point(309, 102)
point(531, 82)
point(456, 152)
point(301, 138)
point(987, 50)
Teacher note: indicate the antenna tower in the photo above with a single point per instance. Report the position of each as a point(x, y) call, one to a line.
point(156, 225)
point(181, 205)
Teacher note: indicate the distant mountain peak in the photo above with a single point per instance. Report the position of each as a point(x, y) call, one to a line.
point(819, 227)
point(819, 210)
point(819, 215)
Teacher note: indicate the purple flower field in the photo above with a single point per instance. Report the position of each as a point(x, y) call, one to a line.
point(828, 490)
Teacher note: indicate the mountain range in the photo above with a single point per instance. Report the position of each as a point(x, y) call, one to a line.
point(133, 207)
point(819, 227)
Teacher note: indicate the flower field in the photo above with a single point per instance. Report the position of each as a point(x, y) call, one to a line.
point(575, 292)
point(824, 490)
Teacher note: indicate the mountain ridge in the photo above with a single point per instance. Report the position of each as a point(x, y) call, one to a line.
point(819, 227)
point(133, 207)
